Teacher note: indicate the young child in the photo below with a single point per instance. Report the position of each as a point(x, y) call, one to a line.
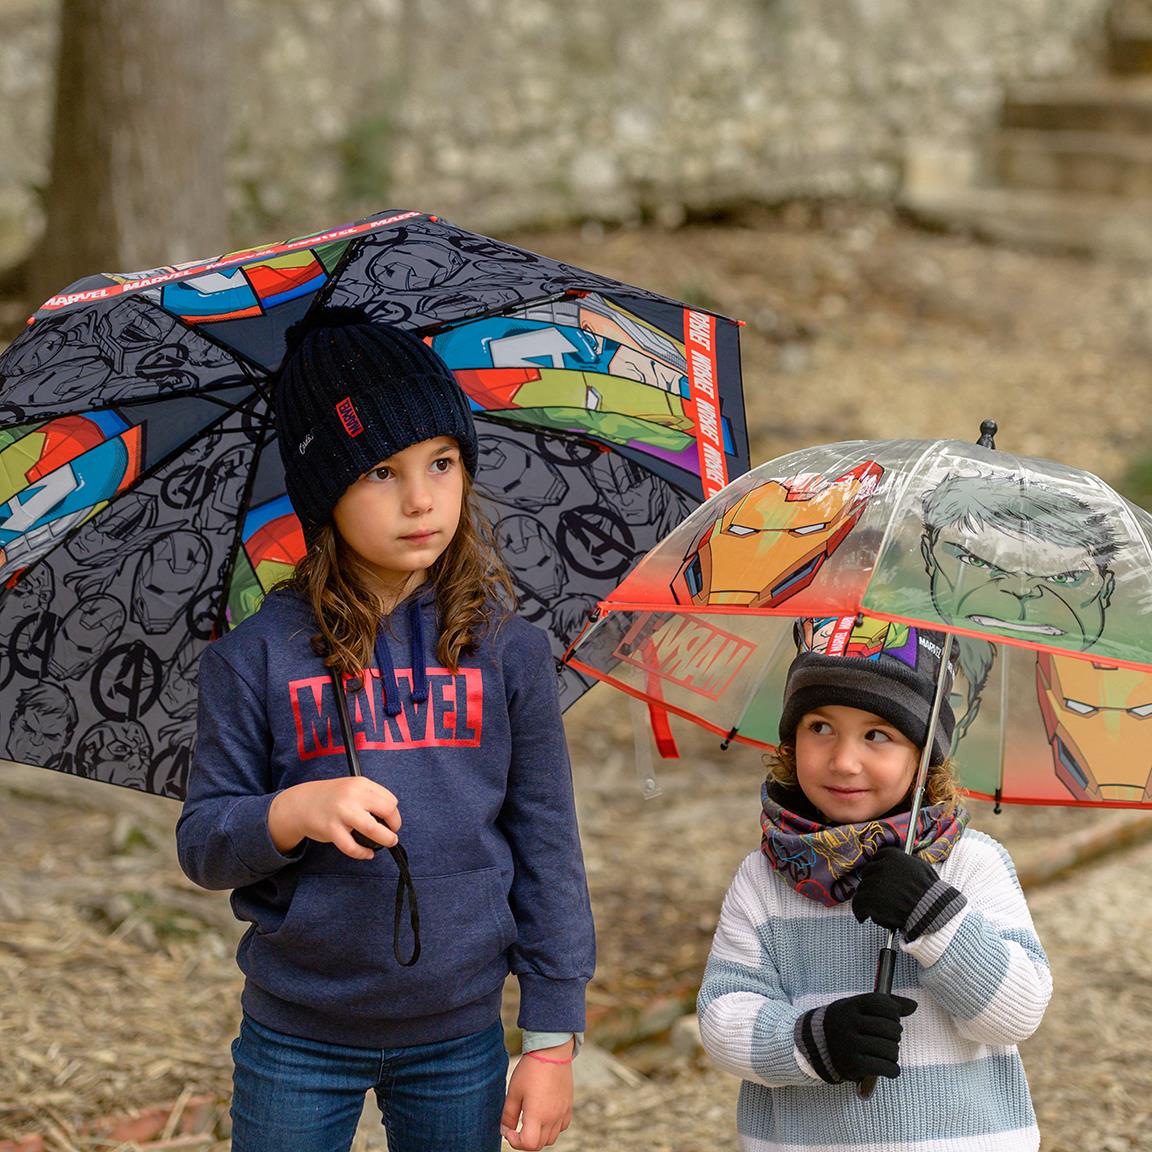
point(454, 705)
point(787, 1001)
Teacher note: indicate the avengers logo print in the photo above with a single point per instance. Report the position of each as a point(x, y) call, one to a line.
point(569, 515)
point(109, 355)
point(104, 681)
point(426, 271)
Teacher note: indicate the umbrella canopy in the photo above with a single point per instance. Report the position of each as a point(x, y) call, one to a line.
point(142, 501)
point(1042, 573)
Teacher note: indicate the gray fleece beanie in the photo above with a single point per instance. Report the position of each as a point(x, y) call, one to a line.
point(897, 682)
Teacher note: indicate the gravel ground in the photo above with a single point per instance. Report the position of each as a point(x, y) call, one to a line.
point(116, 978)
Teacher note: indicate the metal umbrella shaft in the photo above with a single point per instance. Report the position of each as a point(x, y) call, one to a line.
point(886, 962)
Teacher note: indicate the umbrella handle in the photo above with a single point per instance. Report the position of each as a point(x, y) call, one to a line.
point(885, 967)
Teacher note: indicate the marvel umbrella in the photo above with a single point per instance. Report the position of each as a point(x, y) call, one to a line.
point(1040, 573)
point(143, 509)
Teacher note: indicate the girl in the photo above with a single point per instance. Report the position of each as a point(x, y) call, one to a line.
point(786, 1001)
point(453, 710)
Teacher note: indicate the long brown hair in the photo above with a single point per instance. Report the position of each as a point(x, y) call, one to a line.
point(473, 591)
point(939, 784)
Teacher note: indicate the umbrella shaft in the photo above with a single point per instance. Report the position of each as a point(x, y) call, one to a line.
point(942, 687)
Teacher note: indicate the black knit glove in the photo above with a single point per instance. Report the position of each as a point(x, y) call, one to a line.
point(904, 894)
point(855, 1037)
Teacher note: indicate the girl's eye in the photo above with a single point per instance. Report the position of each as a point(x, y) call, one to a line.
point(820, 727)
point(444, 464)
point(381, 473)
point(876, 736)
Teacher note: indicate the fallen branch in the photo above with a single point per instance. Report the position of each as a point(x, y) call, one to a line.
point(1096, 843)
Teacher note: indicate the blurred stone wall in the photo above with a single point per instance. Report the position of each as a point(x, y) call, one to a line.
point(502, 113)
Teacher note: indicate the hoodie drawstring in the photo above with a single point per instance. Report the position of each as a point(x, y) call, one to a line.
point(416, 643)
point(391, 689)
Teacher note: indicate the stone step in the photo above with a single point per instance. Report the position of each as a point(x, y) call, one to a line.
point(1104, 104)
point(1097, 226)
point(1130, 55)
point(1099, 163)
point(1129, 36)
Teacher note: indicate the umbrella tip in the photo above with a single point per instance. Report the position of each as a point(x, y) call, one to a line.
point(988, 430)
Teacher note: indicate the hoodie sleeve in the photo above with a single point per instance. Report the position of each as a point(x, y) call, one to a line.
point(555, 952)
point(222, 837)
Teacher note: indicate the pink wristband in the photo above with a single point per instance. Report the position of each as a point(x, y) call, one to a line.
point(547, 1059)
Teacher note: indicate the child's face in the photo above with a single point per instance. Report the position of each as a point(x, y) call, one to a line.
point(401, 516)
point(851, 764)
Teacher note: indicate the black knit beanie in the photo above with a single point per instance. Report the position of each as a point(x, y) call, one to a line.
point(897, 683)
point(351, 393)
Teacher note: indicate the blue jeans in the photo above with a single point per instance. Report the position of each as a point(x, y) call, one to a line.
point(294, 1095)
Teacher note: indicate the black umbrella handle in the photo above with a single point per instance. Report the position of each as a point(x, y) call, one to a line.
point(404, 885)
point(885, 967)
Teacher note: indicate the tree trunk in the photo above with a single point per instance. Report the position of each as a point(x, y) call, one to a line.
point(139, 140)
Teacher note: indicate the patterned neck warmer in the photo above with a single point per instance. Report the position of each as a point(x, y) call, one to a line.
point(823, 861)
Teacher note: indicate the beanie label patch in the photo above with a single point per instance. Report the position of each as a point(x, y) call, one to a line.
point(346, 410)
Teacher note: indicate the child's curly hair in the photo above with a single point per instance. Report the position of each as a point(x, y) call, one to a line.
point(939, 785)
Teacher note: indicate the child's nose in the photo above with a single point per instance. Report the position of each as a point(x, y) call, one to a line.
point(845, 758)
point(417, 496)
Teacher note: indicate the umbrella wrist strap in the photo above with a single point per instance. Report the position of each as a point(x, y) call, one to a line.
point(398, 852)
point(404, 886)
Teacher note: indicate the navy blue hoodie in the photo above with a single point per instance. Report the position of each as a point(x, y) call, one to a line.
point(480, 770)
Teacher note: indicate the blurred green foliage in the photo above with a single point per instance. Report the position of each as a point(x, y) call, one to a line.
point(1137, 482)
point(366, 155)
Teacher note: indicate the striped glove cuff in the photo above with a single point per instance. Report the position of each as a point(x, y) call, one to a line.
point(810, 1039)
point(935, 908)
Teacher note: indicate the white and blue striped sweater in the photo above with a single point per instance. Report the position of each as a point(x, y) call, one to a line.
point(982, 982)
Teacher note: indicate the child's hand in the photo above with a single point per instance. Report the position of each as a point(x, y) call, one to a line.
point(892, 886)
point(862, 1034)
point(539, 1102)
point(328, 811)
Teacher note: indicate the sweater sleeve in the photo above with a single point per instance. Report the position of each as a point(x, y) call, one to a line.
point(747, 1022)
point(986, 966)
point(222, 837)
point(554, 954)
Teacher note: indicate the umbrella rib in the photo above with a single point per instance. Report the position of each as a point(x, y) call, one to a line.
point(219, 619)
point(1132, 522)
point(760, 677)
point(909, 475)
point(130, 402)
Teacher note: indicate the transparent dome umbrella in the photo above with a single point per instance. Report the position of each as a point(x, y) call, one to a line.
point(1039, 574)
point(143, 509)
